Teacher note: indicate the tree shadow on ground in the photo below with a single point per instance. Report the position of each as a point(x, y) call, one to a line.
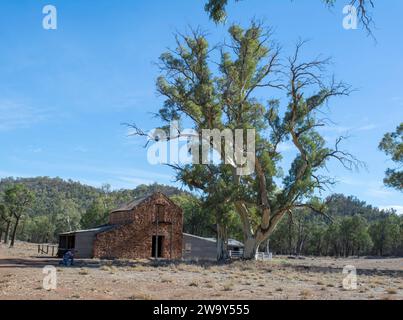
point(41, 262)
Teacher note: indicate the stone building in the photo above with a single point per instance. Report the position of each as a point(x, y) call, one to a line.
point(149, 227)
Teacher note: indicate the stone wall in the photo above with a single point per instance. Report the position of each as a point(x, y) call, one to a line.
point(133, 239)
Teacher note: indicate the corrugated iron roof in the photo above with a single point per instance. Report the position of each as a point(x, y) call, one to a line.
point(131, 205)
point(231, 242)
point(96, 229)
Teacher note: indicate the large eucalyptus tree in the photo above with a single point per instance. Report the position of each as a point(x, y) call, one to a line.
point(229, 95)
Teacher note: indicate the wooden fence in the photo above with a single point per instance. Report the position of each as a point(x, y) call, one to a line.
point(235, 254)
point(48, 249)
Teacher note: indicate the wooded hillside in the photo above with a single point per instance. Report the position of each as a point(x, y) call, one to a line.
point(352, 227)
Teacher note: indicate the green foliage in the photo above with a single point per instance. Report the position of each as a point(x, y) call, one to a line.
point(16, 203)
point(96, 215)
point(386, 235)
point(341, 205)
point(39, 229)
point(17, 199)
point(392, 145)
point(217, 9)
point(356, 229)
point(353, 236)
point(197, 220)
point(4, 216)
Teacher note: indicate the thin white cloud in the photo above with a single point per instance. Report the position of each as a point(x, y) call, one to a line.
point(398, 208)
point(131, 181)
point(117, 177)
point(132, 100)
point(342, 129)
point(380, 192)
point(35, 149)
point(368, 127)
point(7, 174)
point(374, 189)
point(16, 115)
point(81, 149)
point(399, 100)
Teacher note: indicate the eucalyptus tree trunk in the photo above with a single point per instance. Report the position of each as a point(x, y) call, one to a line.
point(254, 238)
point(222, 250)
point(14, 232)
point(6, 232)
point(251, 247)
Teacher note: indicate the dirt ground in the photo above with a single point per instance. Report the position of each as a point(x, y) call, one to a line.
point(21, 277)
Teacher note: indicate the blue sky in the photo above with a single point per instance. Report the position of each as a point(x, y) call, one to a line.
point(64, 93)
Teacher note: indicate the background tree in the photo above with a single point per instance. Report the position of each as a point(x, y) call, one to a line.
point(392, 145)
point(215, 202)
point(68, 217)
point(96, 215)
point(217, 10)
point(38, 229)
point(386, 235)
point(17, 199)
point(5, 222)
point(2, 224)
point(197, 220)
point(322, 238)
point(357, 229)
point(353, 236)
point(226, 219)
point(400, 249)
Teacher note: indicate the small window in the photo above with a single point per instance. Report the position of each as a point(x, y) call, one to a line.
point(188, 247)
point(160, 213)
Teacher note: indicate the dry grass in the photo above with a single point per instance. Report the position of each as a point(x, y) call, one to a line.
point(391, 291)
point(317, 278)
point(139, 268)
point(105, 268)
point(166, 280)
point(190, 268)
point(306, 294)
point(140, 296)
point(229, 286)
point(83, 272)
point(193, 284)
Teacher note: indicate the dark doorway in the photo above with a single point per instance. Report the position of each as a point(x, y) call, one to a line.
point(157, 246)
point(66, 243)
point(71, 242)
